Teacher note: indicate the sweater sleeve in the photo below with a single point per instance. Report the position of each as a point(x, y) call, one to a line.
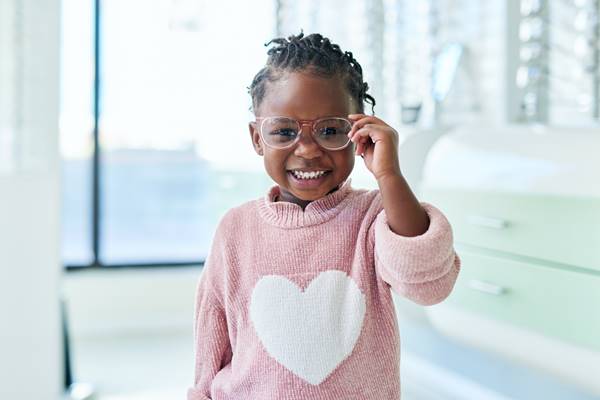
point(211, 339)
point(422, 268)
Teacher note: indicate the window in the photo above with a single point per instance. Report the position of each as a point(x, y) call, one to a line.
point(559, 72)
point(173, 149)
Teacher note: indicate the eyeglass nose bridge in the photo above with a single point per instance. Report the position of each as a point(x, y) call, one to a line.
point(306, 122)
point(311, 126)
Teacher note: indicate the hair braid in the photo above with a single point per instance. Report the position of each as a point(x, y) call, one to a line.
point(315, 54)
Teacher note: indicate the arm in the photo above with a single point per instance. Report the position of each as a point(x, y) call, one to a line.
point(405, 215)
point(413, 241)
point(422, 268)
point(211, 339)
point(377, 143)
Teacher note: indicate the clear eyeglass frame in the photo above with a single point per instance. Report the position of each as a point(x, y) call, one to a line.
point(301, 123)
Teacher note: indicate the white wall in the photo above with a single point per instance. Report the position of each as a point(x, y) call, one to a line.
point(129, 301)
point(31, 365)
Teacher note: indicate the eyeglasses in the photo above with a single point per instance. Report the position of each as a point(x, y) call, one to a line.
point(282, 132)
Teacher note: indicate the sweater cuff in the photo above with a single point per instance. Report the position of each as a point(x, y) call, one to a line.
point(417, 259)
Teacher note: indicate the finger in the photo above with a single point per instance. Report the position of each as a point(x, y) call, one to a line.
point(356, 116)
point(360, 149)
point(364, 120)
point(369, 132)
point(359, 132)
point(363, 144)
point(360, 144)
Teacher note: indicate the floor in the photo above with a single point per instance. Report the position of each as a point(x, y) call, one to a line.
point(160, 367)
point(148, 367)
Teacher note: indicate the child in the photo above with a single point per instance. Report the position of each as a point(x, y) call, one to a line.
point(294, 300)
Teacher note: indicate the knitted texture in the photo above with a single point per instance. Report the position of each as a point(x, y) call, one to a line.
point(295, 304)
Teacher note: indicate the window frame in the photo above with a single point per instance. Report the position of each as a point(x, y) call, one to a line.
point(96, 262)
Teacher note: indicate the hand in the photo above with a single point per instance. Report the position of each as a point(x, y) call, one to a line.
point(377, 143)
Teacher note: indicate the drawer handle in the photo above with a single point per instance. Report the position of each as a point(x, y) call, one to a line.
point(488, 222)
point(487, 287)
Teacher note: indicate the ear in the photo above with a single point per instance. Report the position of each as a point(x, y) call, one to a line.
point(255, 136)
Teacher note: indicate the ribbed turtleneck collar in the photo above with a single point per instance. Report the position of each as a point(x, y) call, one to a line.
point(291, 215)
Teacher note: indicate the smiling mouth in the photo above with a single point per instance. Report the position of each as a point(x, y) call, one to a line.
point(308, 175)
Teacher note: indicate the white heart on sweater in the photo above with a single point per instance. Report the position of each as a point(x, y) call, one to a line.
point(309, 332)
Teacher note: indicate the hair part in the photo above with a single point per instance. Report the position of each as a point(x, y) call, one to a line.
point(314, 54)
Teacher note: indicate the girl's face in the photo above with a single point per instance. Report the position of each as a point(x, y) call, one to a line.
point(303, 96)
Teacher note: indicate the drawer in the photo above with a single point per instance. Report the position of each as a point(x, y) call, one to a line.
point(559, 229)
point(554, 302)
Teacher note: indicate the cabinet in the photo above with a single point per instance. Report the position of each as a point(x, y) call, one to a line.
point(524, 204)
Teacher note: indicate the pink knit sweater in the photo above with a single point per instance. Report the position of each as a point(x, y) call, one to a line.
point(295, 304)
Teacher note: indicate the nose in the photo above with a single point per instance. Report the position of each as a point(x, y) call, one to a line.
point(307, 147)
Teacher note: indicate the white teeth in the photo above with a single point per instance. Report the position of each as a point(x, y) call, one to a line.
point(308, 175)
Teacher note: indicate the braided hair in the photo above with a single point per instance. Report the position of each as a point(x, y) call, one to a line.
point(317, 55)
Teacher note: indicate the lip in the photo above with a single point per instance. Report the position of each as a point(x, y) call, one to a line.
point(309, 169)
point(308, 183)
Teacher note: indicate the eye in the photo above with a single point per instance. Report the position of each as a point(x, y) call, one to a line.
point(288, 132)
point(328, 131)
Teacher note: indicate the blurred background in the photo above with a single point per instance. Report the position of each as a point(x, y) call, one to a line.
point(123, 140)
